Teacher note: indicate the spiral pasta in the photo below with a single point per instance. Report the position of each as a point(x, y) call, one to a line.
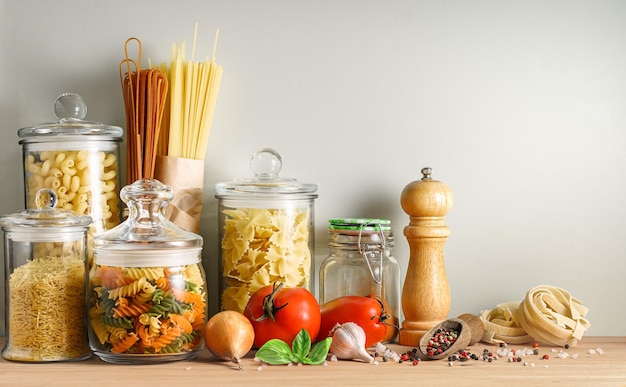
point(150, 315)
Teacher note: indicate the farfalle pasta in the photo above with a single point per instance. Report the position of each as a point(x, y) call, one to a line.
point(261, 246)
point(147, 311)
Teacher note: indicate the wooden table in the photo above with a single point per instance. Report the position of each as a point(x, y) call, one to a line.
point(606, 369)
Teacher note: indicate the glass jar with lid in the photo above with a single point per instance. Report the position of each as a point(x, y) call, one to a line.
point(45, 275)
point(360, 263)
point(78, 160)
point(266, 231)
point(147, 296)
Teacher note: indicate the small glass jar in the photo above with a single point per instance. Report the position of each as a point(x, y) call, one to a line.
point(266, 229)
point(147, 296)
point(360, 263)
point(45, 275)
point(78, 160)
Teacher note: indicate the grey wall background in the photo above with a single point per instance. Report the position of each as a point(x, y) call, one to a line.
point(520, 107)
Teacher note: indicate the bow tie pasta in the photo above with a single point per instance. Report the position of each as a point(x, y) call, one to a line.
point(261, 246)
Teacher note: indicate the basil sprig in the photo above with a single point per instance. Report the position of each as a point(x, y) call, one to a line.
point(276, 351)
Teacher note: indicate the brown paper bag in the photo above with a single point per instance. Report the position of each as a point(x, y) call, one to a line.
point(186, 177)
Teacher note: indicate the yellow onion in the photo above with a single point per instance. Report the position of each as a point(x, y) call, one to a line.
point(229, 335)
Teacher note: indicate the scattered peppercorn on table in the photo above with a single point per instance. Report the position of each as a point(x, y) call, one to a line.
point(597, 361)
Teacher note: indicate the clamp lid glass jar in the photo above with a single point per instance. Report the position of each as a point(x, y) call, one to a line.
point(45, 273)
point(77, 159)
point(266, 229)
point(147, 294)
point(360, 263)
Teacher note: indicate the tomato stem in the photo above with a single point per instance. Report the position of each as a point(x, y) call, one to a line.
point(269, 308)
point(384, 315)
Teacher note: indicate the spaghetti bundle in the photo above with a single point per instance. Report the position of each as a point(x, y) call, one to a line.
point(145, 96)
point(169, 113)
point(194, 87)
point(182, 144)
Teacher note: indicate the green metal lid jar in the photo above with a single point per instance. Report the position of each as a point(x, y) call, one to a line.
point(360, 263)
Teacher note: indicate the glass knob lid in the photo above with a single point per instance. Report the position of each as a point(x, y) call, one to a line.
point(266, 163)
point(146, 225)
point(70, 107)
point(46, 216)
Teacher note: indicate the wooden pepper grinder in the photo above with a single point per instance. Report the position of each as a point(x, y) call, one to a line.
point(426, 293)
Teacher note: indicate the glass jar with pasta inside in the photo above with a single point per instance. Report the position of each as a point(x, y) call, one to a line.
point(45, 274)
point(266, 231)
point(147, 296)
point(78, 160)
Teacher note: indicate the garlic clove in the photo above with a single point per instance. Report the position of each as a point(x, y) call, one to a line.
point(349, 343)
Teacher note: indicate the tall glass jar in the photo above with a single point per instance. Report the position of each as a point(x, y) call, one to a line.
point(266, 229)
point(45, 275)
point(360, 263)
point(78, 160)
point(147, 295)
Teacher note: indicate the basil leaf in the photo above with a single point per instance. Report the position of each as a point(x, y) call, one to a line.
point(301, 345)
point(319, 352)
point(275, 351)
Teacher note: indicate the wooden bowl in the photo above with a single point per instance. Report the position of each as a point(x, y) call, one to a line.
point(476, 327)
point(461, 342)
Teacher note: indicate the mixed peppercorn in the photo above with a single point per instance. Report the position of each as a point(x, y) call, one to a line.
point(412, 356)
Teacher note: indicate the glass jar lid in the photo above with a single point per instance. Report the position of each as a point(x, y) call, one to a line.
point(147, 227)
point(46, 219)
point(360, 233)
point(266, 163)
point(70, 110)
point(359, 224)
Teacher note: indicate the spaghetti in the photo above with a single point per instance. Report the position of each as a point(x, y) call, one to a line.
point(194, 87)
point(145, 96)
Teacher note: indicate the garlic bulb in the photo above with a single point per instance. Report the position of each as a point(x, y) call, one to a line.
point(349, 342)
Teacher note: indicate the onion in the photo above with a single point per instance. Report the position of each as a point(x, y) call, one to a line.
point(229, 335)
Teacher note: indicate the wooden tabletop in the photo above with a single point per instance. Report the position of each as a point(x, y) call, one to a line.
point(583, 367)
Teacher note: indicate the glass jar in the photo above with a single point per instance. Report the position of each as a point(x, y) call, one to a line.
point(45, 274)
point(360, 263)
point(78, 160)
point(266, 229)
point(147, 297)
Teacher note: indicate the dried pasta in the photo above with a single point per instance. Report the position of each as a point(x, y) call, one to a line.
point(84, 181)
point(261, 246)
point(150, 315)
point(46, 317)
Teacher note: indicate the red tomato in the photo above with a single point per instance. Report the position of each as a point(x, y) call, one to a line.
point(280, 313)
point(367, 312)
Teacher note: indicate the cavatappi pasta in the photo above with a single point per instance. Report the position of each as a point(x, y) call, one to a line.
point(147, 311)
point(261, 246)
point(47, 309)
point(85, 181)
